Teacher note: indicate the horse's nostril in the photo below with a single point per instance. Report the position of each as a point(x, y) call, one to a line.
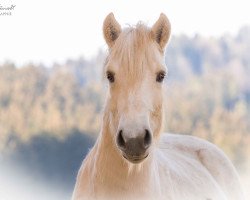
point(120, 140)
point(147, 139)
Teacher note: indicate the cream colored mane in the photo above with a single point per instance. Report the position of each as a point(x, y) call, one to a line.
point(132, 159)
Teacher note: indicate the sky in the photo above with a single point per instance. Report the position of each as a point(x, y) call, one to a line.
point(47, 31)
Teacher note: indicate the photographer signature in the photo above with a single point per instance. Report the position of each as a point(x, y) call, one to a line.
point(9, 8)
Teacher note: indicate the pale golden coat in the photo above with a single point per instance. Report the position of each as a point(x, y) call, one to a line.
point(178, 167)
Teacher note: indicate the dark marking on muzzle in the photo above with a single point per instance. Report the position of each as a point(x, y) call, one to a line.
point(134, 149)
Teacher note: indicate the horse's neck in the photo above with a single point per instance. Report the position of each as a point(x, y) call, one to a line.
point(108, 162)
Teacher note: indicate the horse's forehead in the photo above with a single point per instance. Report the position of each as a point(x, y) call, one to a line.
point(137, 61)
point(134, 48)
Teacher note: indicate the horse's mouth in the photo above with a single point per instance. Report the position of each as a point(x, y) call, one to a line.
point(135, 159)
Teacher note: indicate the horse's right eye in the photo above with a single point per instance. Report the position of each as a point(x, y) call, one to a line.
point(160, 76)
point(110, 77)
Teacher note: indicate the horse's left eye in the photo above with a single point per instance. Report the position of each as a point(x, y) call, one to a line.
point(160, 76)
point(110, 76)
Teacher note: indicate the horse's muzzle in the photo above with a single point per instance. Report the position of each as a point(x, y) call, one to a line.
point(135, 149)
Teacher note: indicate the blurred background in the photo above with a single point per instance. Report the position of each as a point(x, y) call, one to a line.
point(52, 88)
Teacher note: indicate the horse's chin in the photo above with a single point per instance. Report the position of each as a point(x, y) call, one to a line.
point(135, 159)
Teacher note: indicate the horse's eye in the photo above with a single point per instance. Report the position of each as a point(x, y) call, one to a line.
point(110, 77)
point(160, 76)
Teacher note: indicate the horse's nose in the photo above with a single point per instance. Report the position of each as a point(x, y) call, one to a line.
point(134, 147)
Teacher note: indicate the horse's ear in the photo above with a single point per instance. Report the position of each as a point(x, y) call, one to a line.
point(161, 30)
point(111, 29)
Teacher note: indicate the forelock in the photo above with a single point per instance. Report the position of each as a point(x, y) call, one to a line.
point(134, 50)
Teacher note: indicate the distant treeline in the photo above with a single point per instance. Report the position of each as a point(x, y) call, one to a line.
point(208, 95)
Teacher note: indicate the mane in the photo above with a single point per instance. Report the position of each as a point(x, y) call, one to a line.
point(133, 50)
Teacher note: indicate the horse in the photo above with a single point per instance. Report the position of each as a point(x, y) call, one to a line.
point(132, 158)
